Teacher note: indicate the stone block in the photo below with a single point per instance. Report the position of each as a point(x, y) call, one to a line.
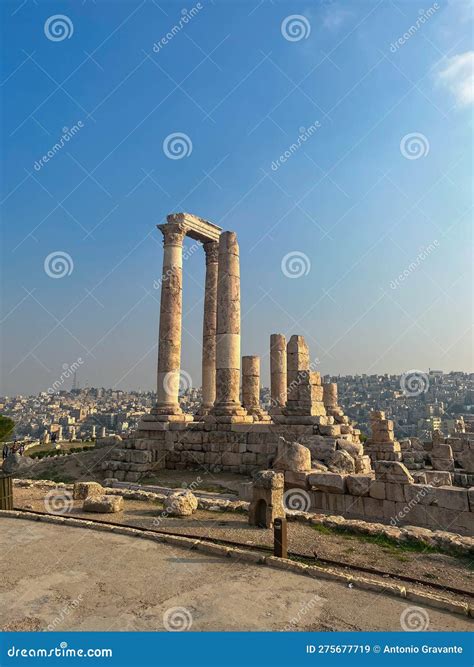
point(330, 482)
point(377, 490)
point(389, 511)
point(451, 498)
point(470, 495)
point(358, 485)
point(394, 491)
point(103, 504)
point(392, 471)
point(293, 478)
point(83, 490)
point(373, 507)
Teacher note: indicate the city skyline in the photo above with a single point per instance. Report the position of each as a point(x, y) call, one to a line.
point(339, 154)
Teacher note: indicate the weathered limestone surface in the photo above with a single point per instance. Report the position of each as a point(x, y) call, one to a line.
point(103, 504)
point(227, 404)
point(292, 456)
point(304, 391)
point(278, 373)
point(251, 388)
point(169, 343)
point(382, 446)
point(267, 499)
point(181, 503)
point(83, 490)
point(211, 248)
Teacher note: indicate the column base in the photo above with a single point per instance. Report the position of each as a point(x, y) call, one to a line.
point(204, 410)
point(228, 419)
point(259, 415)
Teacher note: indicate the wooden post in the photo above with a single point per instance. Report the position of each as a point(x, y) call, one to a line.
point(6, 492)
point(280, 538)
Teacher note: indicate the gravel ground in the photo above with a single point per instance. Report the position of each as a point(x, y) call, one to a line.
point(428, 567)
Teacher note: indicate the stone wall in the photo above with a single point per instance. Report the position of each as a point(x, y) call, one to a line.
point(390, 496)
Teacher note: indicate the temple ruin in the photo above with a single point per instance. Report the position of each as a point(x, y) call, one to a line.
point(232, 432)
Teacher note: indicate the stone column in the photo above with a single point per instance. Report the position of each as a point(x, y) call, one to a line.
point(330, 395)
point(278, 373)
point(169, 343)
point(211, 248)
point(227, 406)
point(251, 388)
point(304, 403)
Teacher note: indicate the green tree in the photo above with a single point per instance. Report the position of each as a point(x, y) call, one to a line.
point(6, 427)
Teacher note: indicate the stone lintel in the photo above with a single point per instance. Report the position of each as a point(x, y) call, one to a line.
point(196, 228)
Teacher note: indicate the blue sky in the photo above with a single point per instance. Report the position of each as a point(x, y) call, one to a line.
point(359, 200)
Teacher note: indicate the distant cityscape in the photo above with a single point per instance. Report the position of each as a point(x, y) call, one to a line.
point(436, 401)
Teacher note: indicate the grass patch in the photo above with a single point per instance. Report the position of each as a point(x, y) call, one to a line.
point(390, 545)
point(54, 475)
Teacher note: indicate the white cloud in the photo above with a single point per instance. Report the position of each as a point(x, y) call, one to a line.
point(456, 74)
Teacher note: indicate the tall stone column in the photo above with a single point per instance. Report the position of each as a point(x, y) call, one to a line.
point(278, 382)
point(227, 406)
point(211, 248)
point(171, 306)
point(251, 388)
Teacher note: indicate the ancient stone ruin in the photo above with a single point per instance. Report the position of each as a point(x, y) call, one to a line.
point(305, 436)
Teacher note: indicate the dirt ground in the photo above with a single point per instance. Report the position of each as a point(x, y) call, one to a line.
point(428, 567)
point(64, 578)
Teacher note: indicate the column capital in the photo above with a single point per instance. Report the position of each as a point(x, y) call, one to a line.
point(173, 233)
point(211, 248)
